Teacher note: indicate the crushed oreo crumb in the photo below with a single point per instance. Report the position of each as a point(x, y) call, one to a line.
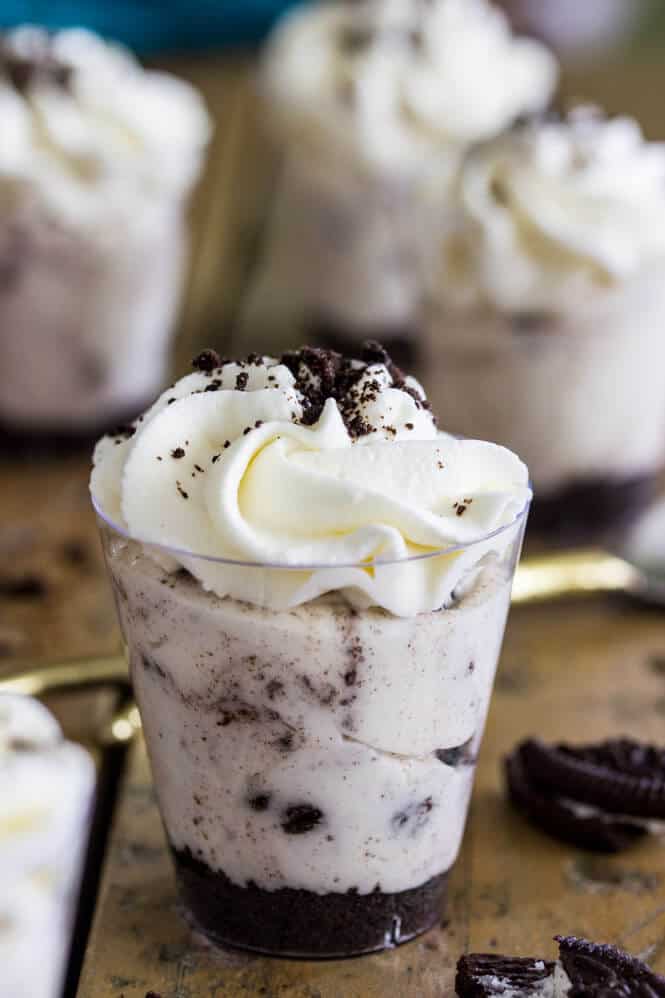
point(242, 380)
point(177, 453)
point(301, 818)
point(207, 361)
point(123, 432)
point(322, 374)
point(41, 66)
point(185, 495)
point(260, 802)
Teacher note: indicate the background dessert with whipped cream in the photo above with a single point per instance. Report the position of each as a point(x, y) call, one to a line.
point(373, 104)
point(96, 160)
point(546, 316)
point(313, 673)
point(46, 789)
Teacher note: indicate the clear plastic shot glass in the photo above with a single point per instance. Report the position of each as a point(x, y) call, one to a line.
point(313, 764)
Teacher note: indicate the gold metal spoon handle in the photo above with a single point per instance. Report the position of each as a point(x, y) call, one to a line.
point(42, 679)
point(572, 573)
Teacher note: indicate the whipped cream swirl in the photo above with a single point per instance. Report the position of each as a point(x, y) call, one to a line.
point(387, 83)
point(311, 461)
point(86, 131)
point(555, 212)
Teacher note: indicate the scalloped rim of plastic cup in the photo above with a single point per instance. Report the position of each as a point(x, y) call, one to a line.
point(177, 552)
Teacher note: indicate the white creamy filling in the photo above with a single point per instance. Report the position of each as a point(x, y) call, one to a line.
point(554, 215)
point(341, 713)
point(556, 986)
point(387, 84)
point(112, 137)
point(233, 473)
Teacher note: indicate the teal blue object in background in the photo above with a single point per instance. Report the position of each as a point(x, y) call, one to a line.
point(150, 26)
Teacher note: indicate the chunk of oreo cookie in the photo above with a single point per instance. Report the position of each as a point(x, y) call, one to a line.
point(584, 970)
point(597, 971)
point(620, 775)
point(599, 797)
point(485, 974)
point(562, 819)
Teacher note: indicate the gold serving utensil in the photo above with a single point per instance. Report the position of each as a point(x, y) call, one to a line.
point(587, 571)
point(43, 679)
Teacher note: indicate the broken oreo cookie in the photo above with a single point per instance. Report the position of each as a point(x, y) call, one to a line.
point(584, 970)
point(484, 974)
point(598, 797)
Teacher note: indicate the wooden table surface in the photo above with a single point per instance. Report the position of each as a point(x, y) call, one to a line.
point(577, 671)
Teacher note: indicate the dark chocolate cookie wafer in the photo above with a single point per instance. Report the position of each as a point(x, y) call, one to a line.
point(584, 970)
point(619, 776)
point(598, 971)
point(484, 974)
point(561, 817)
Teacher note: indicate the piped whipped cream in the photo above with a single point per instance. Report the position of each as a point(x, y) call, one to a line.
point(386, 83)
point(555, 213)
point(88, 132)
point(311, 464)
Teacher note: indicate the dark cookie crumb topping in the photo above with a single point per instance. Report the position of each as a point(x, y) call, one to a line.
point(207, 361)
point(40, 66)
point(301, 818)
point(322, 374)
point(124, 432)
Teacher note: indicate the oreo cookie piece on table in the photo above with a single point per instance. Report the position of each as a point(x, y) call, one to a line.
point(602, 797)
point(583, 970)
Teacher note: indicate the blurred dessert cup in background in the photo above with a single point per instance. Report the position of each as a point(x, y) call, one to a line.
point(547, 310)
point(46, 789)
point(372, 106)
point(577, 29)
point(96, 161)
